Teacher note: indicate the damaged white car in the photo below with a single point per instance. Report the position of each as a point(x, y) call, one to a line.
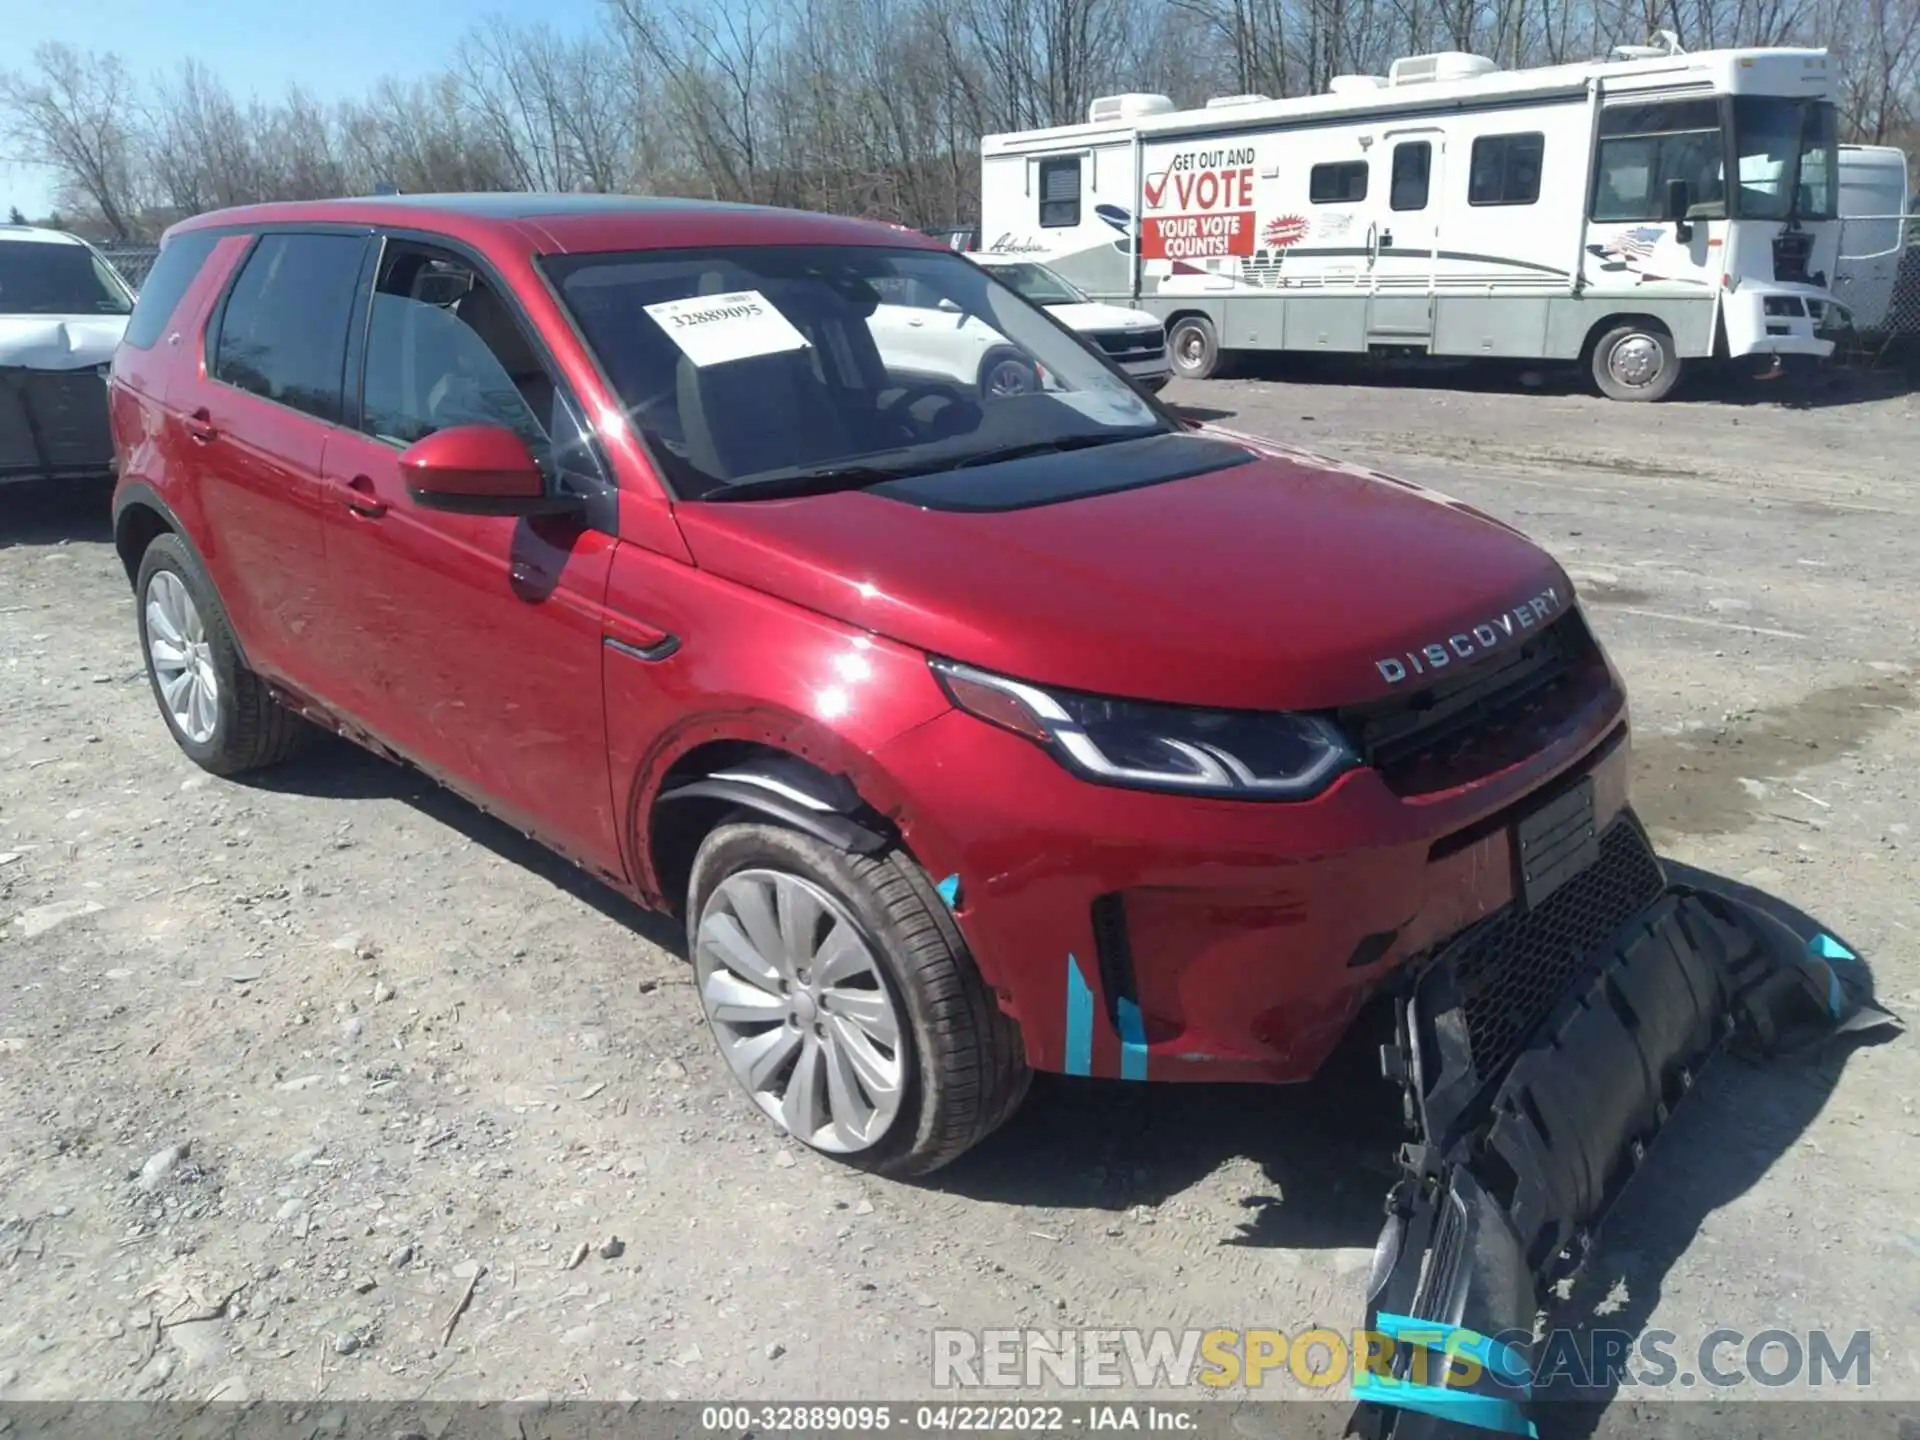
point(63, 308)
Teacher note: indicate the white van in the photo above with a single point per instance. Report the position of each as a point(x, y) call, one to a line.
point(1873, 216)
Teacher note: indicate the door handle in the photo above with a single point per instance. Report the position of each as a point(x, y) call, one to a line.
point(916, 322)
point(200, 426)
point(362, 499)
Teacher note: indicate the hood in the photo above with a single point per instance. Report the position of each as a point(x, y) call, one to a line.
point(59, 342)
point(1263, 579)
point(1093, 316)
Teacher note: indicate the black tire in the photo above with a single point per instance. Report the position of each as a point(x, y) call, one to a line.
point(999, 371)
point(251, 729)
point(966, 1067)
point(1636, 360)
point(1193, 349)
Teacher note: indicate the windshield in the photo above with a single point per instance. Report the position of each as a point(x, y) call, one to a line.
point(1037, 283)
point(1787, 157)
point(747, 367)
point(41, 277)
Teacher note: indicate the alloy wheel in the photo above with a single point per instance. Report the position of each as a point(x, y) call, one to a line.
point(1008, 378)
point(182, 658)
point(795, 998)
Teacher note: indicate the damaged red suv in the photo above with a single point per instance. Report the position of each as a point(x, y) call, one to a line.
point(978, 719)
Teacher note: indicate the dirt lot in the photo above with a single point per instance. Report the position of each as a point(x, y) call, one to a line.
point(287, 1069)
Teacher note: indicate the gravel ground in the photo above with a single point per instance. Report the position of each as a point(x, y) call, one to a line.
point(293, 1071)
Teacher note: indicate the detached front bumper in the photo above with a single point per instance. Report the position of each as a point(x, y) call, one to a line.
point(1772, 320)
point(1521, 1153)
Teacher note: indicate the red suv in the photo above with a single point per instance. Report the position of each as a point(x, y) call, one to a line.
point(973, 729)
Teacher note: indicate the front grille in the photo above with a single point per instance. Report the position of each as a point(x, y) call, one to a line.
point(1792, 253)
point(1521, 962)
point(1483, 716)
point(1132, 344)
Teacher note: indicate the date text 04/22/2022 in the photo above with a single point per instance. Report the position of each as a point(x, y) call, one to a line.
point(945, 1419)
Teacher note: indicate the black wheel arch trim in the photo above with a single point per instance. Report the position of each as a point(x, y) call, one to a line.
point(840, 820)
point(137, 493)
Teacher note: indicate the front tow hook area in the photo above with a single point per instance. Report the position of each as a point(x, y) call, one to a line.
point(1524, 1144)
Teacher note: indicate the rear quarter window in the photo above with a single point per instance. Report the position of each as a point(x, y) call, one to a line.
point(283, 329)
point(173, 272)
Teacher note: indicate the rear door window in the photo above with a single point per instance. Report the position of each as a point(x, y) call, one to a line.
point(167, 282)
point(283, 329)
point(54, 277)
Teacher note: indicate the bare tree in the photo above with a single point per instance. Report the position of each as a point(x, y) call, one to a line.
point(74, 110)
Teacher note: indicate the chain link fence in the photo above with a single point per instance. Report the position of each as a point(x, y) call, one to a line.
point(132, 261)
point(1878, 279)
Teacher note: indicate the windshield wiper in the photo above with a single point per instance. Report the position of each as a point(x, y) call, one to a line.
point(1049, 447)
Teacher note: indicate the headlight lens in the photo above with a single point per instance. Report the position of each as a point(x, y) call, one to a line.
point(1244, 754)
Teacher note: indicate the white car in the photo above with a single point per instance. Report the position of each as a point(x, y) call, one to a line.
point(1136, 340)
point(924, 334)
point(63, 309)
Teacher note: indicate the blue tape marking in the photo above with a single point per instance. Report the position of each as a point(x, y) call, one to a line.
point(1079, 1021)
point(1828, 948)
point(1463, 1407)
point(1501, 1360)
point(949, 889)
point(1133, 1042)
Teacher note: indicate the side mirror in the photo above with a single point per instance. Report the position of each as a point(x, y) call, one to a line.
point(1679, 201)
point(478, 470)
point(946, 306)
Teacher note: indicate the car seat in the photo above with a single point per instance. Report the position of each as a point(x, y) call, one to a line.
point(760, 413)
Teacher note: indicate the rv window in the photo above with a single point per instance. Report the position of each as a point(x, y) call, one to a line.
point(1340, 184)
point(1412, 166)
point(1505, 169)
point(1060, 192)
point(1630, 181)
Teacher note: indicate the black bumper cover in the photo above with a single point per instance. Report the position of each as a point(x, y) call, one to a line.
point(1513, 1171)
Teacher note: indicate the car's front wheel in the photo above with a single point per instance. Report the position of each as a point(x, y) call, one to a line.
point(842, 998)
point(219, 711)
point(1636, 361)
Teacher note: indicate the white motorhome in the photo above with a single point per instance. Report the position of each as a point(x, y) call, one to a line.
point(1577, 212)
point(1873, 233)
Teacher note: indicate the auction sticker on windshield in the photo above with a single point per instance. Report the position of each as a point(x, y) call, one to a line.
point(713, 329)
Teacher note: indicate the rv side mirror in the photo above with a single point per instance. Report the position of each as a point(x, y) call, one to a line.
point(1679, 201)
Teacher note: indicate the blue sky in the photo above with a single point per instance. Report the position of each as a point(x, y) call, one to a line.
point(336, 48)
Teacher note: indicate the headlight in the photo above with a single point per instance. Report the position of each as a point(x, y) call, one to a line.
point(1243, 754)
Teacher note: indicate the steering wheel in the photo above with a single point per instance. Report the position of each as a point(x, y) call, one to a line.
point(896, 411)
point(914, 394)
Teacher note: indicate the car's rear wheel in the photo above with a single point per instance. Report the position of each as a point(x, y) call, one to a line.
point(220, 713)
point(841, 996)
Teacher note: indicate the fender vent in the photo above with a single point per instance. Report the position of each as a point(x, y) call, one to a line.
point(1114, 950)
